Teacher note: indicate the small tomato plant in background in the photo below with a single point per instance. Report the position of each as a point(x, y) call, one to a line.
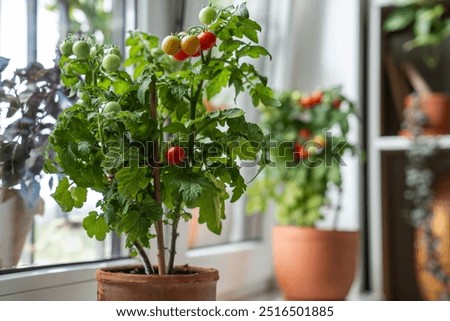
point(145, 139)
point(309, 136)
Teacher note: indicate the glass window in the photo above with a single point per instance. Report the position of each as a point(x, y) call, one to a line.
point(42, 234)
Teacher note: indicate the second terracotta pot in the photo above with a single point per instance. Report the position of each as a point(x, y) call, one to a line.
point(189, 283)
point(435, 106)
point(431, 288)
point(312, 264)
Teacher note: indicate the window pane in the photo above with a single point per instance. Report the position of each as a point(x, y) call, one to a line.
point(13, 33)
point(42, 234)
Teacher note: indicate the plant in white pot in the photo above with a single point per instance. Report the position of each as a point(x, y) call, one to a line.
point(29, 104)
point(309, 134)
point(145, 140)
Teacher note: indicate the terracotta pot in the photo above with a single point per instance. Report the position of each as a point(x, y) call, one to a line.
point(16, 220)
point(312, 264)
point(190, 284)
point(429, 286)
point(435, 106)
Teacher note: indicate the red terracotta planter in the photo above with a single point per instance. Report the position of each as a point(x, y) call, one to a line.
point(435, 106)
point(189, 284)
point(312, 264)
point(431, 288)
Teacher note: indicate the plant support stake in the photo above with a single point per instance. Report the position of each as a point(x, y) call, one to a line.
point(157, 185)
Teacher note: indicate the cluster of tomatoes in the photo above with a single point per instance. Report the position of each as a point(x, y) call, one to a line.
point(183, 46)
point(308, 144)
point(316, 98)
point(111, 60)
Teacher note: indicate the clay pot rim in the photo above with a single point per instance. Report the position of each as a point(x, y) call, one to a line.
point(200, 274)
point(430, 93)
point(314, 230)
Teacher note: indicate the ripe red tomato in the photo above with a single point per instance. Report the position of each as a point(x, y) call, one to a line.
point(300, 152)
point(306, 101)
point(190, 44)
point(207, 40)
point(304, 133)
point(180, 56)
point(171, 45)
point(197, 54)
point(175, 155)
point(316, 97)
point(336, 103)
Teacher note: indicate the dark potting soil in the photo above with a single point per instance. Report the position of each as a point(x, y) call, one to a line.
point(140, 270)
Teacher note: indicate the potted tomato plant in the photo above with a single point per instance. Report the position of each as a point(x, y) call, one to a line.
point(309, 135)
point(145, 140)
point(30, 101)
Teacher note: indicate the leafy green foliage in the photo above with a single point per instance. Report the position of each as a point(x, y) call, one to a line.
point(308, 137)
point(118, 153)
point(428, 20)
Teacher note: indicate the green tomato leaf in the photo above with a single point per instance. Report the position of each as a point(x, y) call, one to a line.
point(79, 195)
point(230, 45)
point(211, 206)
point(120, 86)
point(63, 195)
point(131, 180)
point(143, 90)
point(95, 226)
point(251, 34)
point(114, 156)
point(175, 128)
point(253, 52)
point(216, 84)
point(238, 184)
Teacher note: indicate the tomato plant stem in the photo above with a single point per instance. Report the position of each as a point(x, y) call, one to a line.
point(147, 265)
point(173, 243)
point(174, 236)
point(193, 106)
point(157, 186)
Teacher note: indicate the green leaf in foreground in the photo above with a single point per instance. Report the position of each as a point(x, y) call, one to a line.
point(95, 226)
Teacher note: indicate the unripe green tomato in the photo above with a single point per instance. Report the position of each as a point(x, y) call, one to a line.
point(83, 98)
point(115, 51)
point(93, 52)
point(66, 47)
point(112, 107)
point(207, 15)
point(81, 49)
point(111, 62)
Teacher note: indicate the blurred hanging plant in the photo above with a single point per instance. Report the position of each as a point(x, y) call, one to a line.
point(419, 193)
point(85, 16)
point(29, 104)
point(429, 22)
